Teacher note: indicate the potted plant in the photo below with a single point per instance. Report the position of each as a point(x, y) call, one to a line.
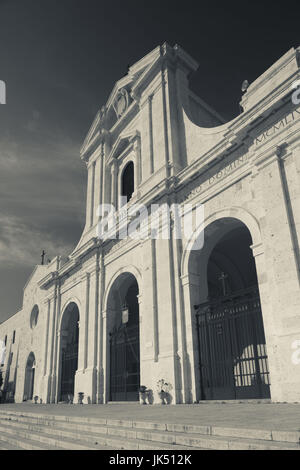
point(143, 393)
point(80, 398)
point(163, 389)
point(35, 399)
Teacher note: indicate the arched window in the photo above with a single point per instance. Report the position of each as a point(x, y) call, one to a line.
point(127, 182)
point(34, 316)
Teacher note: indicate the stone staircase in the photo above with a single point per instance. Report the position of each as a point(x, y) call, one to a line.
point(33, 431)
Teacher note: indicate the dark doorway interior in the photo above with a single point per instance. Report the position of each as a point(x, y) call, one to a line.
point(29, 378)
point(125, 348)
point(69, 351)
point(128, 181)
point(232, 346)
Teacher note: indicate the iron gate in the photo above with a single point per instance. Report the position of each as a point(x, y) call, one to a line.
point(125, 363)
point(68, 370)
point(232, 348)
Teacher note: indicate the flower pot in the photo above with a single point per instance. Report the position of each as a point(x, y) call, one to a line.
point(162, 396)
point(80, 398)
point(143, 397)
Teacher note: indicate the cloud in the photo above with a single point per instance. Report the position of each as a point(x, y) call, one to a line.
point(42, 197)
point(21, 244)
point(32, 124)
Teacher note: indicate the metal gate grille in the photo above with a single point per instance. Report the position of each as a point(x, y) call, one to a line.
point(69, 367)
point(232, 347)
point(125, 364)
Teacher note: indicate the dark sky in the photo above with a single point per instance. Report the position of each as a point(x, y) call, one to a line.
point(60, 59)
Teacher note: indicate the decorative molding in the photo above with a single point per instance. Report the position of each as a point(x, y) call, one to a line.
point(121, 102)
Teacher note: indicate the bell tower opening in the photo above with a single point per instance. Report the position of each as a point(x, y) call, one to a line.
point(127, 181)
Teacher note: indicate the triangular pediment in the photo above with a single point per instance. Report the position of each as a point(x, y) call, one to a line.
point(134, 72)
point(107, 116)
point(122, 142)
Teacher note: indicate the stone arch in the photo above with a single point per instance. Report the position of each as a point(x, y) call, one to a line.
point(73, 300)
point(127, 269)
point(238, 213)
point(230, 234)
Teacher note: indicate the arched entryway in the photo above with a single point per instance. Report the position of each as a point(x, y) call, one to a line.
point(123, 339)
point(69, 335)
point(29, 377)
point(231, 345)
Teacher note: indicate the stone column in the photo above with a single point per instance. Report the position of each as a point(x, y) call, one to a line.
point(92, 336)
point(105, 358)
point(45, 392)
point(168, 360)
point(47, 379)
point(46, 337)
point(54, 397)
point(100, 375)
point(281, 308)
point(151, 156)
point(294, 178)
point(101, 171)
point(182, 323)
point(52, 303)
point(149, 331)
point(60, 339)
point(113, 197)
point(92, 194)
point(86, 320)
point(137, 169)
point(88, 197)
point(191, 284)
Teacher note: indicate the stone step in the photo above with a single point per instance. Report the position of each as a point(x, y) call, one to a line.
point(129, 438)
point(68, 439)
point(30, 440)
point(4, 445)
point(264, 401)
point(8, 441)
point(101, 425)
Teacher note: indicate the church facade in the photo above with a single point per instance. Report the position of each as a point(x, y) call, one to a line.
point(211, 314)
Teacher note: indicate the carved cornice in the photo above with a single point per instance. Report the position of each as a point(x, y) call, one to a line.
point(46, 281)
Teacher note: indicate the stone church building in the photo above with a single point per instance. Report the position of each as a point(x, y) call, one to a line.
point(218, 321)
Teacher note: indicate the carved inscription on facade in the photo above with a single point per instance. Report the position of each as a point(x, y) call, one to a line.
point(278, 126)
point(211, 177)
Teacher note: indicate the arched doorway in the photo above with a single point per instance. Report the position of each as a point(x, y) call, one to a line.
point(29, 377)
point(124, 339)
point(69, 351)
point(233, 361)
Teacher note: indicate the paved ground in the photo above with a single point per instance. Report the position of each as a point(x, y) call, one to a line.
point(246, 415)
